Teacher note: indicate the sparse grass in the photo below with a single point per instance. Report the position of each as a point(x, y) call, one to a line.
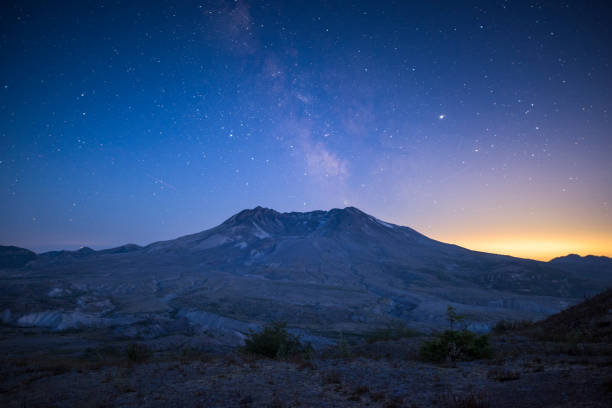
point(395, 402)
point(456, 345)
point(362, 389)
point(276, 403)
point(187, 354)
point(332, 378)
point(246, 401)
point(230, 360)
point(557, 336)
point(608, 385)
point(463, 401)
point(275, 341)
point(343, 350)
point(301, 362)
point(505, 326)
point(54, 365)
point(390, 333)
point(358, 393)
point(138, 352)
point(377, 396)
point(503, 374)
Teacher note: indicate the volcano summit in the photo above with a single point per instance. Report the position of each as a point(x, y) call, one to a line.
point(322, 272)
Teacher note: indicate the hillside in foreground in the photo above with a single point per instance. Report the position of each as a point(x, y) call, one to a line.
point(524, 370)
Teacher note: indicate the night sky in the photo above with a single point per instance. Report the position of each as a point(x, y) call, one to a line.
point(485, 124)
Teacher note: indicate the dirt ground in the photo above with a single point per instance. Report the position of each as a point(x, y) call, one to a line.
point(69, 370)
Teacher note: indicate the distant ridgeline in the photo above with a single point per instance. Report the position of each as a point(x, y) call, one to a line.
point(15, 257)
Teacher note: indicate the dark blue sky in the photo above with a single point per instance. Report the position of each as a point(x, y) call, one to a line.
point(481, 123)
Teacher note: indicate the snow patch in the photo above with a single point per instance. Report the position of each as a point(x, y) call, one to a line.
point(58, 320)
point(385, 224)
point(241, 245)
point(93, 305)
point(213, 241)
point(259, 232)
point(256, 254)
point(250, 275)
point(211, 321)
point(55, 292)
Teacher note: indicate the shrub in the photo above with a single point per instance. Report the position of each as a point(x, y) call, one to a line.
point(504, 326)
point(138, 352)
point(275, 341)
point(390, 333)
point(453, 317)
point(455, 345)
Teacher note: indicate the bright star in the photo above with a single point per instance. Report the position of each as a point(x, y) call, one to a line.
point(442, 116)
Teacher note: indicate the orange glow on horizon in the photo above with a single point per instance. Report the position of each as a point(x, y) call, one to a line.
point(542, 249)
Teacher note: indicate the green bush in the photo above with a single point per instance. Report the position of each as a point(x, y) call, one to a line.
point(456, 345)
point(275, 341)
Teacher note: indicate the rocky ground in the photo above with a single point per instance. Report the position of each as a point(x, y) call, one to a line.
point(70, 369)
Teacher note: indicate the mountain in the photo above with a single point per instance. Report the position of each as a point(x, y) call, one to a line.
point(592, 267)
point(583, 260)
point(322, 272)
point(15, 257)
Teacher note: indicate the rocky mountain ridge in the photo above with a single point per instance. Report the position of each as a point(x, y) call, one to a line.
point(323, 272)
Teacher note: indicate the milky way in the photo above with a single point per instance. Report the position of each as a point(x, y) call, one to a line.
point(485, 123)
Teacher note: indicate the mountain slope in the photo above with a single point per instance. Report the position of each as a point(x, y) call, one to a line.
point(321, 271)
point(15, 257)
point(591, 320)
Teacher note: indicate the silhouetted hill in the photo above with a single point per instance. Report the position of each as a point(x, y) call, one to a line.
point(15, 257)
point(590, 266)
point(591, 260)
point(590, 320)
